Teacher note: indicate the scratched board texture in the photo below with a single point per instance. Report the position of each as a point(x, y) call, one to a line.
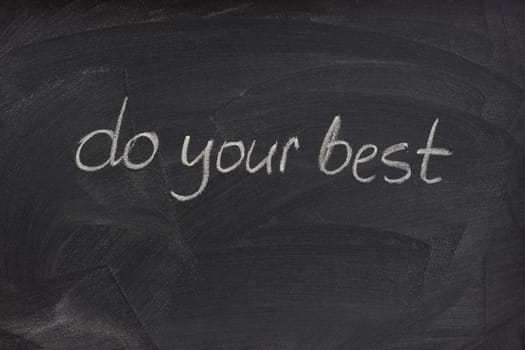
point(301, 260)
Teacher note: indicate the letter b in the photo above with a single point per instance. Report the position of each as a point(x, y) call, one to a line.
point(329, 142)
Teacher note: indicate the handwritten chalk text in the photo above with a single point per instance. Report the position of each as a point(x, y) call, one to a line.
point(278, 152)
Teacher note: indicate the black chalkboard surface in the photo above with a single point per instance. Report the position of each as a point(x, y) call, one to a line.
point(262, 175)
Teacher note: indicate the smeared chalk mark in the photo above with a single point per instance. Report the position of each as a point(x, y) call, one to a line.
point(228, 10)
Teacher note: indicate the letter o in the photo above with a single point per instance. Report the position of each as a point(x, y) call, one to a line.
point(154, 139)
point(227, 144)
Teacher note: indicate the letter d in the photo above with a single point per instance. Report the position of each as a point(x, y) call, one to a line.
point(113, 134)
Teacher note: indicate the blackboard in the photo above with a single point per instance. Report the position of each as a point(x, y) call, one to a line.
point(262, 175)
